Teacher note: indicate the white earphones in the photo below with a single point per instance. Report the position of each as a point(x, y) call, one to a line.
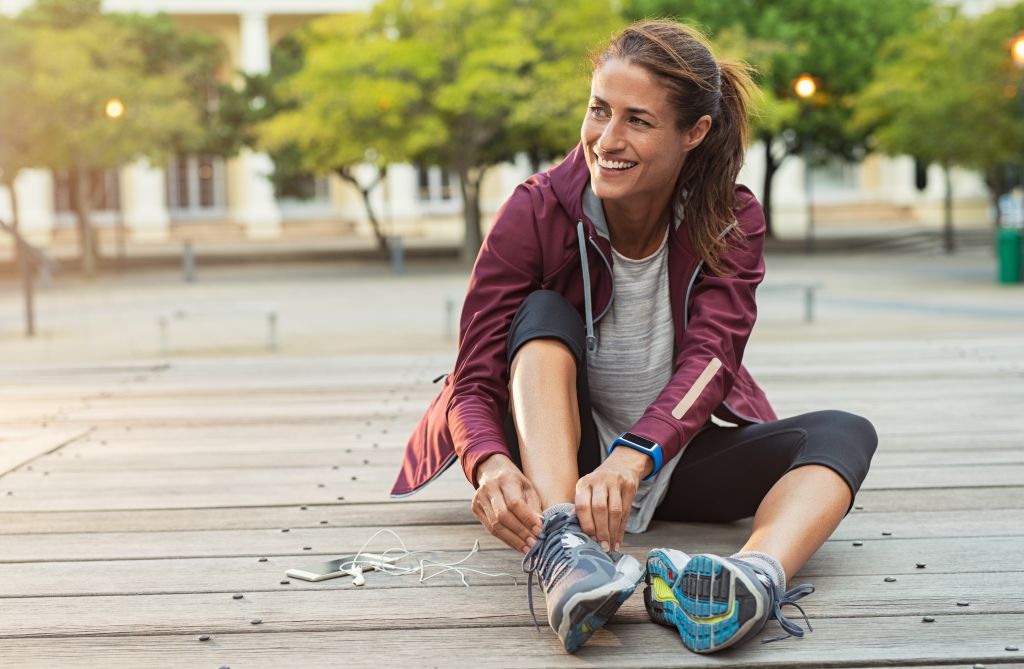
point(357, 575)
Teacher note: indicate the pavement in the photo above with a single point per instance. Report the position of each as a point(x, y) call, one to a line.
point(345, 306)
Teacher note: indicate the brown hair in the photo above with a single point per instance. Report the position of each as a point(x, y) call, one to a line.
point(697, 85)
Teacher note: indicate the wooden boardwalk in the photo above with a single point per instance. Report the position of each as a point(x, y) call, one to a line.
point(137, 499)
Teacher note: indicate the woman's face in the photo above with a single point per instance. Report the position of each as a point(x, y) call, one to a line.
point(633, 147)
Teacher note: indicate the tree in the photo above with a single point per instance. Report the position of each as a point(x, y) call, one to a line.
point(465, 84)
point(19, 126)
point(942, 96)
point(83, 59)
point(836, 41)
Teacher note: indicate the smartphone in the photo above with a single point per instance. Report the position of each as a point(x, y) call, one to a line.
point(322, 571)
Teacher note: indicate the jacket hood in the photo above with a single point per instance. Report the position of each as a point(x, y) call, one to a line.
point(568, 179)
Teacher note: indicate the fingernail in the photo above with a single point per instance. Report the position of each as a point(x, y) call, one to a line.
point(524, 550)
point(536, 530)
point(617, 546)
point(604, 545)
point(530, 542)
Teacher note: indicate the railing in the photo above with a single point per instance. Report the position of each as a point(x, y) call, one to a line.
point(31, 259)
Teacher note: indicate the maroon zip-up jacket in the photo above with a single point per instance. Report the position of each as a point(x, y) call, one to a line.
point(536, 243)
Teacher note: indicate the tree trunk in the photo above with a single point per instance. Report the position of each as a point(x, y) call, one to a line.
point(770, 167)
point(346, 174)
point(947, 217)
point(14, 219)
point(469, 184)
point(81, 204)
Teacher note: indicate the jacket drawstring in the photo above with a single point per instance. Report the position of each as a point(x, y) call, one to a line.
point(587, 306)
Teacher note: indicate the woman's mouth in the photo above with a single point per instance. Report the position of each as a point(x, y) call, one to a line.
point(619, 165)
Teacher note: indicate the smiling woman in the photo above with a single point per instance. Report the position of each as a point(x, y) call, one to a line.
point(604, 327)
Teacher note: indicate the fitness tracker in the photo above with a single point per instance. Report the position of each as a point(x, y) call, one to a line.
point(638, 443)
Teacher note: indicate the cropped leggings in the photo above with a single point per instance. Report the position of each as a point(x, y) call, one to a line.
point(725, 472)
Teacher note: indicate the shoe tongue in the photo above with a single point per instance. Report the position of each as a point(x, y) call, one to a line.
point(765, 579)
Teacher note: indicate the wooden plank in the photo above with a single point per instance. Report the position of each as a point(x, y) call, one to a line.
point(964, 640)
point(938, 499)
point(15, 453)
point(971, 512)
point(328, 540)
point(452, 607)
point(235, 488)
point(100, 459)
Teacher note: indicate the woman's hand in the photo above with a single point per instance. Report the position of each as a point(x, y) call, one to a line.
point(506, 503)
point(604, 497)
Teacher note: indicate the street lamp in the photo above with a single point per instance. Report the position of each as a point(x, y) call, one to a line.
point(1017, 49)
point(805, 86)
point(114, 109)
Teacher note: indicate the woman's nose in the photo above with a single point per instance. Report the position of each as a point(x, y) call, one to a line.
point(612, 138)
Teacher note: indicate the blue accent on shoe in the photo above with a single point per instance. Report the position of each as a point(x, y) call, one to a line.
point(717, 602)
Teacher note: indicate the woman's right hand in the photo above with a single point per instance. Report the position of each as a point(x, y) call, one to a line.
point(506, 503)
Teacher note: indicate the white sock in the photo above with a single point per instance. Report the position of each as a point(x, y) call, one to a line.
point(766, 563)
point(564, 507)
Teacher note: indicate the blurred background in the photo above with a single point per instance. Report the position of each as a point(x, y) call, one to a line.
point(197, 177)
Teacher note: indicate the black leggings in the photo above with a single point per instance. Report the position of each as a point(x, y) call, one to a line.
point(725, 472)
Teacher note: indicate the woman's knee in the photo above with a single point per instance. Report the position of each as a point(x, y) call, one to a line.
point(547, 316)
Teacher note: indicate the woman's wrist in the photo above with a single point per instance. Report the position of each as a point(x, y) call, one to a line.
point(491, 464)
point(639, 463)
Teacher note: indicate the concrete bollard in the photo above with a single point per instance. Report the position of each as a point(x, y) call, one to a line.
point(449, 317)
point(188, 263)
point(397, 255)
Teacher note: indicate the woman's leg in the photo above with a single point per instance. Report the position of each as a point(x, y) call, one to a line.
point(796, 476)
point(789, 528)
point(546, 418)
point(551, 436)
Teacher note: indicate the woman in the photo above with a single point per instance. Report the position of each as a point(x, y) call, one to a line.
point(604, 326)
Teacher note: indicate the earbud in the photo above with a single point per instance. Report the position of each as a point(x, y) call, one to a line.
point(357, 576)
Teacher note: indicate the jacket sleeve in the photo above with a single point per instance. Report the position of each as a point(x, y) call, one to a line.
point(507, 269)
point(722, 314)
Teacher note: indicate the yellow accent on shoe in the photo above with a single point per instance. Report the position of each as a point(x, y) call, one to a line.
point(662, 590)
point(711, 620)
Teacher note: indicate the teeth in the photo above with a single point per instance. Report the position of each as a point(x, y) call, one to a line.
point(614, 164)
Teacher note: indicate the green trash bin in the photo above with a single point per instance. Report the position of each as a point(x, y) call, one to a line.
point(1009, 252)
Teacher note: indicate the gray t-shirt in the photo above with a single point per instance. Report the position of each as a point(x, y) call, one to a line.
point(634, 357)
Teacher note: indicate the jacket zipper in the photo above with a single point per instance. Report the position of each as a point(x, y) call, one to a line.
point(611, 276)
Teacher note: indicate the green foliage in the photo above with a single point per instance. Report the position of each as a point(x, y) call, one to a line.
point(19, 123)
point(461, 83)
point(948, 92)
point(836, 41)
point(69, 60)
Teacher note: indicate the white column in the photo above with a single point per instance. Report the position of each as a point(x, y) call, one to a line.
point(252, 195)
point(35, 205)
point(144, 202)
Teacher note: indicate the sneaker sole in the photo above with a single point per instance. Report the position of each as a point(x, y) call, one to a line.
point(587, 612)
point(711, 603)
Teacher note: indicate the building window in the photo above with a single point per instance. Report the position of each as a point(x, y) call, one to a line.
point(437, 190)
point(304, 196)
point(304, 188)
point(196, 185)
point(103, 187)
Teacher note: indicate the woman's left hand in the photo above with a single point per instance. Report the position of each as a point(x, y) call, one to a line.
point(604, 497)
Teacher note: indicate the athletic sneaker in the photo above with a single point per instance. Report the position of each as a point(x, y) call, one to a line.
point(716, 602)
point(583, 585)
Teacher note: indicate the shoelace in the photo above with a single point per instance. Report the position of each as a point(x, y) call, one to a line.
point(547, 556)
point(789, 598)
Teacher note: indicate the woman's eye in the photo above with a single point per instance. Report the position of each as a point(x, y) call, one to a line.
point(598, 112)
point(638, 121)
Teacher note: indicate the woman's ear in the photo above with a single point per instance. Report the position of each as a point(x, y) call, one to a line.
point(696, 134)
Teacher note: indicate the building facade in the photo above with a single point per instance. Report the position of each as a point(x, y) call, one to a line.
point(193, 195)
